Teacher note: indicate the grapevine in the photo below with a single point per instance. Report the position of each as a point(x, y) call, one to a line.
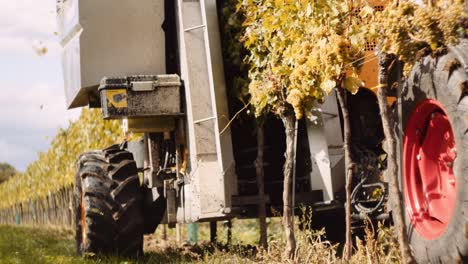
point(301, 50)
point(54, 169)
point(409, 30)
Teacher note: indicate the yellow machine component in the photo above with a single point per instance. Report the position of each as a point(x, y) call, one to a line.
point(117, 98)
point(149, 125)
point(390, 99)
point(184, 162)
point(369, 71)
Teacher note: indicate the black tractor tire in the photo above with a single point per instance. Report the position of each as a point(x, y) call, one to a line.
point(108, 204)
point(153, 211)
point(443, 78)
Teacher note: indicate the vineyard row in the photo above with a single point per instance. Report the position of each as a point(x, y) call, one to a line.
point(54, 209)
point(54, 169)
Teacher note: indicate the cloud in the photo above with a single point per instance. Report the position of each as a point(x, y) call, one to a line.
point(24, 22)
point(40, 106)
point(17, 45)
point(29, 118)
point(15, 154)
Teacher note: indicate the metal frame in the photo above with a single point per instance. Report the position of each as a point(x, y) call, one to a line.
point(211, 177)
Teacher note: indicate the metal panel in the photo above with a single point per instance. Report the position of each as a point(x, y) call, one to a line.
point(211, 175)
point(139, 150)
point(109, 38)
point(326, 148)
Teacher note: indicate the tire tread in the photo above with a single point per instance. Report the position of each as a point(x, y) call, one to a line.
point(109, 182)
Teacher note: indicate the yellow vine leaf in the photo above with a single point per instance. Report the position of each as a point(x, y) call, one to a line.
point(352, 84)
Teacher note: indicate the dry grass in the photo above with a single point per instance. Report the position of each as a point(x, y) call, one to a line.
point(52, 245)
point(376, 245)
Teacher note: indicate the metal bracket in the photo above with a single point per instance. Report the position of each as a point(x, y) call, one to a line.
point(171, 199)
point(204, 120)
point(193, 28)
point(143, 86)
point(140, 152)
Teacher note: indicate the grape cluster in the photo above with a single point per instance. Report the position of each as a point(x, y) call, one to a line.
point(299, 51)
point(405, 28)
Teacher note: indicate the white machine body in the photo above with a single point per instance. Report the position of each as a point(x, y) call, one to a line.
point(109, 38)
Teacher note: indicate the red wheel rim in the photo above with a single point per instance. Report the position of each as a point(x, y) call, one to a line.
point(429, 152)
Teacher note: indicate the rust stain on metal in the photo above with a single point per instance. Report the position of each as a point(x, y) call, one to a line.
point(451, 66)
point(466, 230)
point(463, 88)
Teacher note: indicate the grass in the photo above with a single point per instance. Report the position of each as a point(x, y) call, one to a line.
point(34, 245)
point(20, 244)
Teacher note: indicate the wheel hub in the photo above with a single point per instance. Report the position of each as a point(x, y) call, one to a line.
point(429, 153)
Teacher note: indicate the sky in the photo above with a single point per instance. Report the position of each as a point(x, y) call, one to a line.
point(32, 100)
